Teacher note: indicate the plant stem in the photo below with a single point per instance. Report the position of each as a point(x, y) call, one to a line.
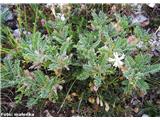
point(66, 96)
point(80, 103)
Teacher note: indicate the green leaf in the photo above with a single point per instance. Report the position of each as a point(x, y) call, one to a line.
point(31, 102)
point(142, 85)
point(129, 61)
point(65, 46)
point(83, 75)
point(10, 73)
point(39, 76)
point(142, 60)
point(98, 81)
point(151, 69)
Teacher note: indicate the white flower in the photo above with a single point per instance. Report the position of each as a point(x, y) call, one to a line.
point(117, 60)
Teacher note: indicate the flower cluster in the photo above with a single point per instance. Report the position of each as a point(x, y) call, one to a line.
point(117, 59)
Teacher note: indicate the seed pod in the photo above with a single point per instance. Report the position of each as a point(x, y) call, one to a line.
point(91, 100)
point(106, 107)
point(97, 100)
point(101, 103)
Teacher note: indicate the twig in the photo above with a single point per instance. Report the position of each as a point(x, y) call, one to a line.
point(80, 103)
point(158, 29)
point(66, 96)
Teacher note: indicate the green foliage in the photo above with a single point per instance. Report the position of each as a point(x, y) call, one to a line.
point(34, 48)
point(46, 88)
point(35, 84)
point(95, 47)
point(72, 50)
point(123, 21)
point(99, 20)
point(4, 14)
point(137, 71)
point(141, 34)
point(10, 73)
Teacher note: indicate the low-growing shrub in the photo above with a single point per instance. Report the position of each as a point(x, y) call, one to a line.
point(105, 57)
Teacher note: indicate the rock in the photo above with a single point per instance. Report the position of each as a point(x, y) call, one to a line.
point(140, 19)
point(16, 33)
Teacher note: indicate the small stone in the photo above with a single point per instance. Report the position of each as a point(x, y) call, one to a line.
point(140, 19)
point(16, 33)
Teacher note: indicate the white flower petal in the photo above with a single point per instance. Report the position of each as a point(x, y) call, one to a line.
point(115, 64)
point(122, 57)
point(111, 60)
point(117, 60)
point(120, 63)
point(115, 54)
